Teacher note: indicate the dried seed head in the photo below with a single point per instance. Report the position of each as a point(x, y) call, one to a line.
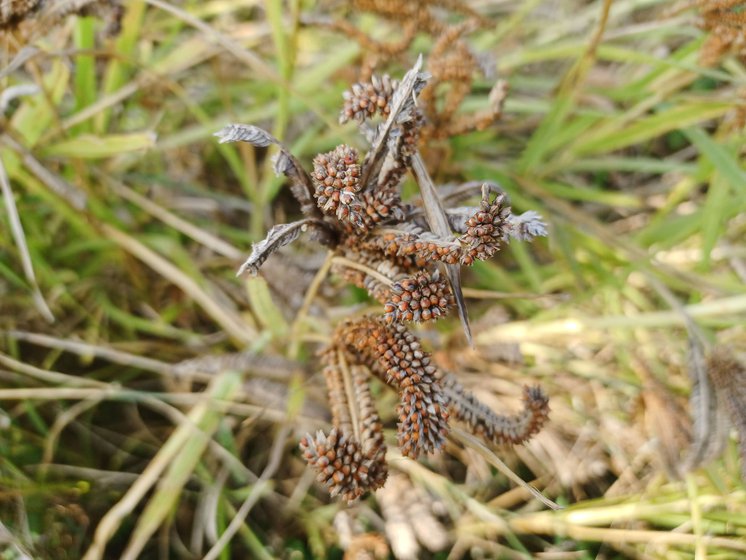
point(16, 11)
point(412, 248)
point(336, 180)
point(422, 411)
point(364, 100)
point(341, 465)
point(420, 298)
point(373, 208)
point(485, 230)
point(497, 428)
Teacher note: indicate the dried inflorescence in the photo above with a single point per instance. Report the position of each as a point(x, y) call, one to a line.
point(47, 13)
point(396, 355)
point(407, 257)
point(336, 178)
point(497, 428)
point(350, 459)
point(365, 100)
point(453, 64)
point(726, 22)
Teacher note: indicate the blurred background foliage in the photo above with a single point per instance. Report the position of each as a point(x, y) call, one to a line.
point(151, 403)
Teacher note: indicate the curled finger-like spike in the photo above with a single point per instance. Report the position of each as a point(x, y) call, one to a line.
point(497, 428)
point(422, 410)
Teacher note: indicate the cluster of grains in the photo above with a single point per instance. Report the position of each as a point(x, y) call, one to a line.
point(413, 248)
point(485, 230)
point(726, 22)
point(378, 207)
point(422, 411)
point(14, 11)
point(497, 428)
point(336, 390)
point(339, 462)
point(367, 99)
point(419, 298)
point(350, 460)
point(336, 180)
point(385, 247)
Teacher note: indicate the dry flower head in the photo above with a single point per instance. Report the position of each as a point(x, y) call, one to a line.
point(452, 63)
point(409, 262)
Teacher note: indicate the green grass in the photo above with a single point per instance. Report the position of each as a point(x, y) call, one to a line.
point(124, 220)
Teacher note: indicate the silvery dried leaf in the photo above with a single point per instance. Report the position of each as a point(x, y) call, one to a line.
point(457, 217)
point(246, 133)
point(370, 132)
point(402, 103)
point(279, 236)
point(487, 64)
point(439, 225)
point(300, 183)
point(526, 226)
point(284, 162)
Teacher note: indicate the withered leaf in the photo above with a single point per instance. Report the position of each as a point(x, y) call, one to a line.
point(402, 103)
point(526, 226)
point(438, 222)
point(279, 236)
point(246, 133)
point(285, 163)
point(300, 183)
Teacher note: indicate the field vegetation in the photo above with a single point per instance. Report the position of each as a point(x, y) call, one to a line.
point(152, 403)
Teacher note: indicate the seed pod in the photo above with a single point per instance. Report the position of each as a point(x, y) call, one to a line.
point(341, 465)
point(366, 99)
point(336, 180)
point(485, 230)
point(420, 298)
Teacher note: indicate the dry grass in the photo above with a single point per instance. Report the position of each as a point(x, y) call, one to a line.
point(151, 403)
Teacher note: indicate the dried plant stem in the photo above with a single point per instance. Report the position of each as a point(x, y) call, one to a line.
point(547, 523)
point(201, 236)
point(59, 425)
point(257, 491)
point(228, 320)
point(20, 237)
point(531, 330)
point(489, 294)
point(363, 268)
point(344, 368)
point(472, 442)
point(102, 352)
point(48, 375)
point(311, 292)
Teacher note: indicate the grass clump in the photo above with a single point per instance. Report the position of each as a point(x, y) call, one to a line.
point(151, 404)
